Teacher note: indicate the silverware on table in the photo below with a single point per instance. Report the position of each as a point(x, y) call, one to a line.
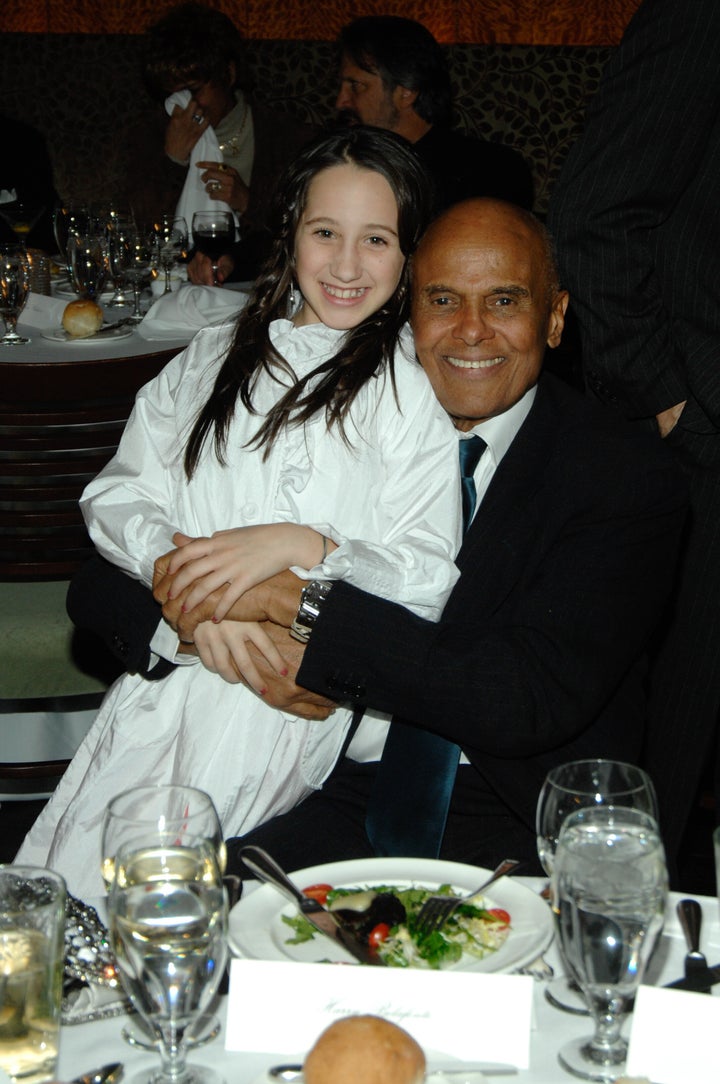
point(698, 976)
point(106, 328)
point(107, 1074)
point(267, 869)
point(435, 912)
point(456, 1071)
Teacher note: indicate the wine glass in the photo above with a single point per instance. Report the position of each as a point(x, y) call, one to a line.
point(69, 218)
point(167, 913)
point(572, 786)
point(609, 889)
point(14, 289)
point(213, 233)
point(118, 250)
point(172, 240)
point(87, 260)
point(161, 816)
point(139, 266)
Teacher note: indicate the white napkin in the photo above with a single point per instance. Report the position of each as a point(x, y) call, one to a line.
point(190, 309)
point(207, 149)
point(42, 311)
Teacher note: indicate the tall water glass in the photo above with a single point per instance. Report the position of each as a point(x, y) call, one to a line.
point(609, 890)
point(168, 928)
point(32, 925)
point(14, 289)
point(87, 260)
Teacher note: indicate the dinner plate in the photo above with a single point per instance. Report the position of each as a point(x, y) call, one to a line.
point(60, 335)
point(256, 929)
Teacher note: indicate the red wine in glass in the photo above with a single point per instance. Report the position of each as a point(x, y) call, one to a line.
point(213, 234)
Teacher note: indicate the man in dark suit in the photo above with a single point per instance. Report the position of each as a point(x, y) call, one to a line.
point(393, 75)
point(636, 218)
point(565, 567)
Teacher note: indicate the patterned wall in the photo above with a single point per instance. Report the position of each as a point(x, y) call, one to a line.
point(510, 22)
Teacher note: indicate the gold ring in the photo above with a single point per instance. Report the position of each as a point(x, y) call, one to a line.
point(222, 167)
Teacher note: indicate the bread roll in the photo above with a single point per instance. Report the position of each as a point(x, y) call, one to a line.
point(82, 319)
point(364, 1050)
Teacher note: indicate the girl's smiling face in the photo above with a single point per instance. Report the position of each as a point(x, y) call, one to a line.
point(348, 260)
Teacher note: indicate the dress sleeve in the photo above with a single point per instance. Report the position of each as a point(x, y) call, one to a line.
point(129, 506)
point(419, 506)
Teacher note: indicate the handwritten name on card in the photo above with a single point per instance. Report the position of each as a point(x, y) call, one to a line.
point(283, 1006)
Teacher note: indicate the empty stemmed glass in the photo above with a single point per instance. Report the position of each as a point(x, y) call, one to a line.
point(119, 236)
point(167, 913)
point(139, 266)
point(87, 260)
point(213, 234)
point(609, 889)
point(14, 288)
point(172, 241)
point(566, 789)
point(68, 219)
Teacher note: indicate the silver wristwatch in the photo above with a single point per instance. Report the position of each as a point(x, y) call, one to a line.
point(311, 601)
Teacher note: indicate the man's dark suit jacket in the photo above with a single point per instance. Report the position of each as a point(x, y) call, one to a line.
point(636, 219)
point(538, 656)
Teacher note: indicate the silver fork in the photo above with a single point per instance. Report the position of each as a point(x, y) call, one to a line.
point(435, 912)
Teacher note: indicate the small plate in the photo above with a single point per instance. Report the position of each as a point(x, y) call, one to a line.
point(256, 929)
point(60, 335)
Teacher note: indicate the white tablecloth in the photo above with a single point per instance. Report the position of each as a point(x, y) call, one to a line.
point(87, 1046)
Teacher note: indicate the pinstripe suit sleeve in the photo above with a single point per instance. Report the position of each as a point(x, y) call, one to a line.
point(635, 212)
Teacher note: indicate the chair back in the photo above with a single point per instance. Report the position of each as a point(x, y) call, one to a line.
point(60, 423)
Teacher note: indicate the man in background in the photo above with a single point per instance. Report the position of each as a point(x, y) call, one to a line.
point(636, 219)
point(393, 75)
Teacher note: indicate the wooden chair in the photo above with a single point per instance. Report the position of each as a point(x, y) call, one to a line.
point(60, 423)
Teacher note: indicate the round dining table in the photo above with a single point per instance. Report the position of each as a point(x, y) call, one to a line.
point(86, 1046)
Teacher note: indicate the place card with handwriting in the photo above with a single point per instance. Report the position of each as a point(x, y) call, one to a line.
point(283, 1006)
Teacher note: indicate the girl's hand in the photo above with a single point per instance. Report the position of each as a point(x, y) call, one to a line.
point(224, 650)
point(241, 558)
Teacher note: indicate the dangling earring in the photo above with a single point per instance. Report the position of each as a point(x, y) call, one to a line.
point(291, 299)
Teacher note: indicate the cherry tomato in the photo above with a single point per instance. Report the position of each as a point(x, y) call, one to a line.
point(317, 892)
point(378, 934)
point(500, 915)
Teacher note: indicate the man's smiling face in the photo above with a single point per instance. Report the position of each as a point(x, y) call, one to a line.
point(484, 308)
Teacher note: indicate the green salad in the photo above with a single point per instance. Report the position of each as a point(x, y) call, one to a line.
point(385, 916)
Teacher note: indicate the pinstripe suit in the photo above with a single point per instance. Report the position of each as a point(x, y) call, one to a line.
point(636, 217)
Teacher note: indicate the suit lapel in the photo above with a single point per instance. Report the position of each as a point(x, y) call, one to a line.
point(498, 547)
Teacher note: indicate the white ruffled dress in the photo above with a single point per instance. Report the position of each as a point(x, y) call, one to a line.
point(390, 501)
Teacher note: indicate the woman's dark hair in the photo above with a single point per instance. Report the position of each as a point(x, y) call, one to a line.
point(403, 53)
point(332, 385)
point(193, 44)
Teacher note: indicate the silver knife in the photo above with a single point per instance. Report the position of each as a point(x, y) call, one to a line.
point(698, 976)
point(107, 1074)
point(267, 869)
point(455, 1071)
point(111, 327)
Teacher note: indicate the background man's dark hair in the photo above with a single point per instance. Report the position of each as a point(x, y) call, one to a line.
point(403, 53)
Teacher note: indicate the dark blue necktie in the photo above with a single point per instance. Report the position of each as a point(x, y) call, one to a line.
point(409, 803)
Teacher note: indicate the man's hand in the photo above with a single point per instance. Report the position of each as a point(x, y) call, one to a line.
point(200, 269)
point(183, 131)
point(282, 692)
point(668, 419)
point(225, 183)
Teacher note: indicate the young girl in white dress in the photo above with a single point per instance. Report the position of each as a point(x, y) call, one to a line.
point(310, 412)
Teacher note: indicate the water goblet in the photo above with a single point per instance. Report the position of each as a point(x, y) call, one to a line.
point(161, 816)
point(87, 259)
point(167, 913)
point(139, 266)
point(213, 234)
point(14, 289)
point(609, 890)
point(567, 788)
point(118, 250)
point(68, 219)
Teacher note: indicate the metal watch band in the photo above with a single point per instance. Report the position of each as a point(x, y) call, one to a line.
point(311, 600)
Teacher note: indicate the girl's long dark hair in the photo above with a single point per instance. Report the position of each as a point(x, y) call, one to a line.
point(364, 349)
